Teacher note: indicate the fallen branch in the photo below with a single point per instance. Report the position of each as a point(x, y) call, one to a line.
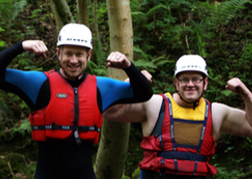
point(9, 165)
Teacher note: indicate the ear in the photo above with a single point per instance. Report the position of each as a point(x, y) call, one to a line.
point(58, 53)
point(89, 54)
point(176, 84)
point(205, 84)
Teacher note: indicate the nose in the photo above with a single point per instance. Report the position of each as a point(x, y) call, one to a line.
point(74, 59)
point(190, 83)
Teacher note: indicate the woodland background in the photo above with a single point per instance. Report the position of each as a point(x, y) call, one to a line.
point(163, 30)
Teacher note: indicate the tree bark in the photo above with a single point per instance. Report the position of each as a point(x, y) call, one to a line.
point(96, 21)
point(96, 30)
point(120, 32)
point(59, 23)
point(82, 6)
point(63, 14)
point(113, 145)
point(97, 46)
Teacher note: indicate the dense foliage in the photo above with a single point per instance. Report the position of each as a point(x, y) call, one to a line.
point(220, 31)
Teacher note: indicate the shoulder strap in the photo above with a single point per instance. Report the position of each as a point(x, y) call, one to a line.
point(158, 127)
point(49, 72)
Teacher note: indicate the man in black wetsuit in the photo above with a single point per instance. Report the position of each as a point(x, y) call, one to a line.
point(67, 104)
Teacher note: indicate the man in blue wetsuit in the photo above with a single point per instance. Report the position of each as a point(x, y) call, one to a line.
point(67, 104)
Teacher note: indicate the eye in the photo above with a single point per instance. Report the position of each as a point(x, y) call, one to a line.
point(184, 80)
point(68, 54)
point(196, 80)
point(79, 54)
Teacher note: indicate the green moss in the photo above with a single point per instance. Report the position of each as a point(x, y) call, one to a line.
point(136, 174)
point(17, 165)
point(4, 170)
point(125, 177)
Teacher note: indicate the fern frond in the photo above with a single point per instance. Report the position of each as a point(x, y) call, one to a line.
point(144, 64)
point(222, 12)
point(163, 62)
point(138, 16)
point(155, 8)
point(179, 3)
point(137, 49)
point(9, 9)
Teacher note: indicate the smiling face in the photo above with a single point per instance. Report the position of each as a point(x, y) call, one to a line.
point(190, 85)
point(73, 60)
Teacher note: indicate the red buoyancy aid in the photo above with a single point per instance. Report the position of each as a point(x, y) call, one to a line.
point(162, 153)
point(71, 111)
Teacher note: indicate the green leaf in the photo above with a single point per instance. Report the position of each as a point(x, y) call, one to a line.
point(2, 43)
point(226, 92)
point(25, 126)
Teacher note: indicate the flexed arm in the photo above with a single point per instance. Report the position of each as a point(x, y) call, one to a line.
point(237, 86)
point(118, 60)
point(141, 87)
point(231, 120)
point(35, 46)
point(7, 55)
point(26, 84)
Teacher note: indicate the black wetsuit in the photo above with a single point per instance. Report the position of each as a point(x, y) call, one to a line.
point(60, 159)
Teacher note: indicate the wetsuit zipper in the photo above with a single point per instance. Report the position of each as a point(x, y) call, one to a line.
point(76, 116)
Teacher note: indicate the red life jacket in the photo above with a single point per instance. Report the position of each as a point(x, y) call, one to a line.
point(184, 144)
point(71, 111)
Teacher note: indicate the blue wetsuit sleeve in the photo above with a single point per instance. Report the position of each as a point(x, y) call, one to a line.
point(29, 82)
point(112, 91)
point(115, 91)
point(26, 84)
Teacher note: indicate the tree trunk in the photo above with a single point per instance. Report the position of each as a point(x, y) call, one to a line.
point(59, 23)
point(113, 145)
point(121, 32)
point(63, 14)
point(96, 29)
point(97, 46)
point(95, 26)
point(83, 12)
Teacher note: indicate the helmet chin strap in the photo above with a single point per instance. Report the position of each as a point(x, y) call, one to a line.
point(195, 103)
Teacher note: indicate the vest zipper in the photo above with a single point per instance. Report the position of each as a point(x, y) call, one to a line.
point(76, 117)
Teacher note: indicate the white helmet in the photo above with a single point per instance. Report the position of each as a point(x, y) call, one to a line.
point(75, 34)
point(191, 63)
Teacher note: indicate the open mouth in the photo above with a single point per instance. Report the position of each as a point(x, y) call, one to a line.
point(190, 89)
point(73, 67)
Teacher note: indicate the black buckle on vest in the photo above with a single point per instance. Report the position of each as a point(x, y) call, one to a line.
point(83, 128)
point(97, 128)
point(53, 126)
